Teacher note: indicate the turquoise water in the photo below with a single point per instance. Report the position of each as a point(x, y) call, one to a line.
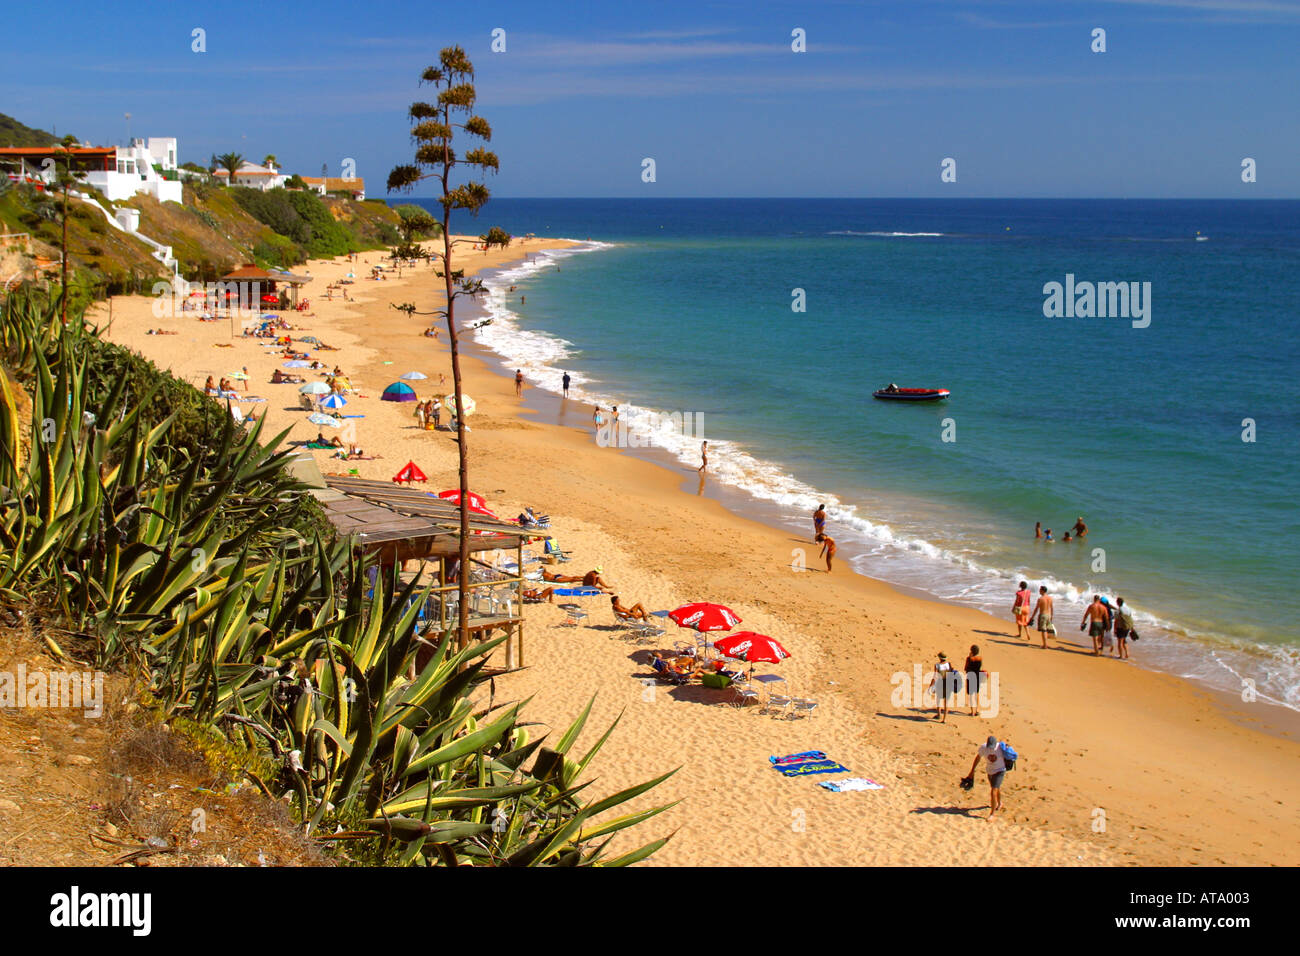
point(686, 306)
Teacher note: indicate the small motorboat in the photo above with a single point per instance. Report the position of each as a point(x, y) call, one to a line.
point(895, 394)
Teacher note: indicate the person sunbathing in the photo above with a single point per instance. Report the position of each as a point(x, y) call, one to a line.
point(533, 594)
point(357, 454)
point(560, 578)
point(334, 442)
point(592, 579)
point(667, 668)
point(635, 613)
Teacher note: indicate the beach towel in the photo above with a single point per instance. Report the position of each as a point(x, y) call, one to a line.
point(800, 757)
point(850, 783)
point(578, 592)
point(811, 767)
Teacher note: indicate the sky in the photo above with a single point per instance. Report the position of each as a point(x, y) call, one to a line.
point(711, 90)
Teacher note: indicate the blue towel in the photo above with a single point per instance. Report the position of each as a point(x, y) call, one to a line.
point(578, 592)
point(811, 766)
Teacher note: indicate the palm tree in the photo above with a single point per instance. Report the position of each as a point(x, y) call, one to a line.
point(434, 128)
point(230, 162)
point(270, 161)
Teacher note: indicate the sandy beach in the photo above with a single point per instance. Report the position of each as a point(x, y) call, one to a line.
point(1119, 765)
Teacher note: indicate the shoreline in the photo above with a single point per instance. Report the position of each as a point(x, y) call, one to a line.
point(1139, 744)
point(1279, 719)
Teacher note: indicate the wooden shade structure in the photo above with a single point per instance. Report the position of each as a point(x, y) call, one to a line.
point(398, 523)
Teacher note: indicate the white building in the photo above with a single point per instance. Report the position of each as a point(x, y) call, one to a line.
point(254, 176)
point(143, 167)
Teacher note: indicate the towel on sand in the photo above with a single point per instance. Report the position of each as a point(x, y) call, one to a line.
point(577, 592)
point(850, 783)
point(810, 767)
point(801, 757)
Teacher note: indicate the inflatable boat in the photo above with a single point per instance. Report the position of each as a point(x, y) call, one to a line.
point(912, 394)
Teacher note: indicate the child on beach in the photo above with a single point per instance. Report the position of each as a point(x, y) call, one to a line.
point(828, 548)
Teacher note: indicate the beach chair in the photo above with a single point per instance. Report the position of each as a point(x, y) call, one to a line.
point(742, 694)
point(574, 614)
point(802, 706)
point(666, 674)
point(642, 631)
point(777, 705)
point(552, 550)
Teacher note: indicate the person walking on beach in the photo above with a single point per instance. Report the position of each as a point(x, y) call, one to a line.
point(975, 677)
point(828, 549)
point(1020, 610)
point(995, 766)
point(1107, 640)
point(519, 382)
point(1095, 619)
point(1123, 628)
point(704, 457)
point(1043, 612)
point(943, 684)
point(819, 522)
point(566, 384)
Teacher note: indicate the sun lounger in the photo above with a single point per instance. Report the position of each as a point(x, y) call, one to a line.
point(802, 706)
point(578, 592)
point(664, 671)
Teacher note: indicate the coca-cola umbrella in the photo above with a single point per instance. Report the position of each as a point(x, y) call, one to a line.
point(453, 495)
point(703, 616)
point(751, 647)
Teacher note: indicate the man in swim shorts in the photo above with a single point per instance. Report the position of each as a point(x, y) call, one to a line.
point(560, 578)
point(1096, 618)
point(995, 766)
point(1080, 529)
point(1043, 612)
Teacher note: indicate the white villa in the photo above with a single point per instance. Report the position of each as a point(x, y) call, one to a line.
point(119, 172)
point(254, 176)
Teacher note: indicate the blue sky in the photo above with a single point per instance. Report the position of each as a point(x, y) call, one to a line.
point(711, 90)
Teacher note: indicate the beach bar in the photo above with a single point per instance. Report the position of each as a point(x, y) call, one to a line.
point(398, 524)
point(259, 289)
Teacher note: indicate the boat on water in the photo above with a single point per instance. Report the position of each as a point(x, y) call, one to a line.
point(895, 394)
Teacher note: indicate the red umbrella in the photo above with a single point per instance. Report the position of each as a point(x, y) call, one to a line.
point(705, 617)
point(453, 495)
point(410, 472)
point(751, 647)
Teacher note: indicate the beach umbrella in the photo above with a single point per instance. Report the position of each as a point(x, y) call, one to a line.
point(410, 472)
point(398, 392)
point(414, 376)
point(453, 495)
point(297, 363)
point(320, 418)
point(333, 400)
point(750, 647)
point(449, 403)
point(238, 376)
point(314, 388)
point(703, 616)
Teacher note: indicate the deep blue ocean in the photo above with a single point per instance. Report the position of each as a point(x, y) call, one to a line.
point(686, 306)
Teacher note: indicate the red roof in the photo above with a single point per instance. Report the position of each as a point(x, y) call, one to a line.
point(45, 150)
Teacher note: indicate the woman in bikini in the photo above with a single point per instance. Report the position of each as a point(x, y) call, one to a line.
point(828, 548)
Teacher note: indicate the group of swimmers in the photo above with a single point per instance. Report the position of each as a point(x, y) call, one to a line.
point(1080, 530)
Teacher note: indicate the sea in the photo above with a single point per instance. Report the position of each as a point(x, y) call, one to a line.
point(764, 325)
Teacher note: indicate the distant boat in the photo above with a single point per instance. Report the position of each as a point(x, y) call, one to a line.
point(1201, 238)
point(912, 394)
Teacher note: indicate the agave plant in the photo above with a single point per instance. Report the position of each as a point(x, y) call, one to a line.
point(202, 568)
